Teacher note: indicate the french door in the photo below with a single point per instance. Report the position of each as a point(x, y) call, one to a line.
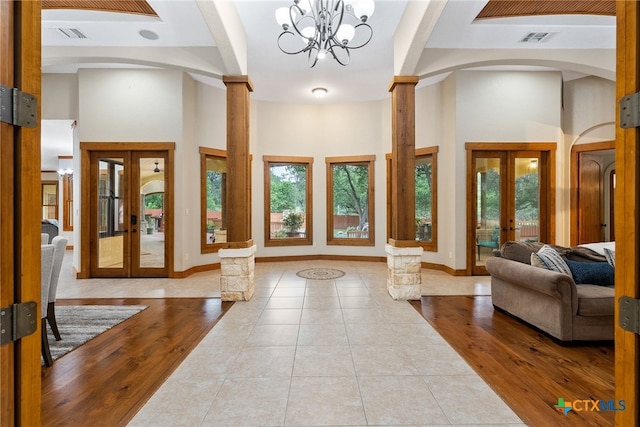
point(509, 198)
point(128, 214)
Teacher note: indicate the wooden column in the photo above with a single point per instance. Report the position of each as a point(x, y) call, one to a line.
point(627, 220)
point(403, 129)
point(238, 202)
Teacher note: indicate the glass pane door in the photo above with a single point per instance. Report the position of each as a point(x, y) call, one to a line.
point(128, 214)
point(148, 222)
point(489, 196)
point(109, 227)
point(526, 215)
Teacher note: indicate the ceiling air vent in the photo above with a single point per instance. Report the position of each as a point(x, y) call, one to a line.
point(71, 33)
point(535, 37)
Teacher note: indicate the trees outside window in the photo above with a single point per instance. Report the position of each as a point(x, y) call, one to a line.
point(288, 208)
point(49, 200)
point(213, 188)
point(426, 200)
point(350, 204)
point(426, 194)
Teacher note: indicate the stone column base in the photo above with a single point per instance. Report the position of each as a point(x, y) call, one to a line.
point(237, 273)
point(404, 272)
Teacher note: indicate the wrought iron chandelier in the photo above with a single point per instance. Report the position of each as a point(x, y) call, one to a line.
point(322, 27)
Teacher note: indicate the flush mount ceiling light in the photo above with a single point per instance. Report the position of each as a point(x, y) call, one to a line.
point(319, 92)
point(325, 27)
point(148, 34)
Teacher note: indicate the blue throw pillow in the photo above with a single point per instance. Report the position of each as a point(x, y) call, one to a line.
point(591, 273)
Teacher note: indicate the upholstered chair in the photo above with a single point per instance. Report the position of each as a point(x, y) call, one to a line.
point(44, 238)
point(60, 244)
point(46, 254)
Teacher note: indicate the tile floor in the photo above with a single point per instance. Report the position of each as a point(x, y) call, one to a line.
point(314, 352)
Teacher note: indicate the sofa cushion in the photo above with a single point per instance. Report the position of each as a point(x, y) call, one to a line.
point(549, 258)
point(520, 251)
point(591, 273)
point(595, 300)
point(610, 255)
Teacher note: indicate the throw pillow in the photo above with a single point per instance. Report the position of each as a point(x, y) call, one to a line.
point(550, 259)
point(610, 255)
point(592, 273)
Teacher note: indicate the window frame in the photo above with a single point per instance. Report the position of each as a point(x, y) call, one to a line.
point(284, 161)
point(44, 205)
point(432, 152)
point(206, 152)
point(369, 160)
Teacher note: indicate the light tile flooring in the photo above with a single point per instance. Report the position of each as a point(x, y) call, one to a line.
point(314, 352)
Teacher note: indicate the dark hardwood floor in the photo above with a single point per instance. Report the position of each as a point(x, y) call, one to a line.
point(523, 366)
point(107, 380)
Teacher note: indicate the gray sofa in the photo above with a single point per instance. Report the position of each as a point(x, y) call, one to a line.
point(548, 300)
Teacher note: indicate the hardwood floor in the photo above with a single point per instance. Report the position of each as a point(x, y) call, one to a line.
point(107, 380)
point(523, 366)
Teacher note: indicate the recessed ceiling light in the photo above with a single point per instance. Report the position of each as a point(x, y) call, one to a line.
point(319, 92)
point(149, 35)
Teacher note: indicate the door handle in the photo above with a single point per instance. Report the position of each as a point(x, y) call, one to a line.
point(134, 219)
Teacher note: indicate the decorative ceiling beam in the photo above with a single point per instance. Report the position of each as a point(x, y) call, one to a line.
point(138, 7)
point(513, 8)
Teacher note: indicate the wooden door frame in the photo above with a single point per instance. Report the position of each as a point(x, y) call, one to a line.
point(627, 219)
point(574, 195)
point(547, 180)
point(20, 370)
point(86, 148)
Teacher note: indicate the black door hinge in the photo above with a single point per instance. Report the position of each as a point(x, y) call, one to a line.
point(18, 321)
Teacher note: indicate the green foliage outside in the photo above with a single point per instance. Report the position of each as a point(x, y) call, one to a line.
point(154, 201)
point(288, 188)
point(351, 191)
point(527, 197)
point(423, 191)
point(214, 190)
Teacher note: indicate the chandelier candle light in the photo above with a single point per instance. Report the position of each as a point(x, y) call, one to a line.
point(325, 27)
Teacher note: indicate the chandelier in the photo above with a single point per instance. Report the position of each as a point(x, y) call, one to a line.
point(322, 27)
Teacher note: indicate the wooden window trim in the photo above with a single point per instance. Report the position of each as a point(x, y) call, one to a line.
point(431, 246)
point(205, 152)
point(364, 159)
point(57, 204)
point(283, 161)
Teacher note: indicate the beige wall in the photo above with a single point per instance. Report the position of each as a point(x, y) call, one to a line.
point(469, 106)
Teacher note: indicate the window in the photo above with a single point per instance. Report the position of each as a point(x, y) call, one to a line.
point(426, 197)
point(49, 200)
point(426, 200)
point(67, 202)
point(288, 208)
point(213, 191)
point(350, 204)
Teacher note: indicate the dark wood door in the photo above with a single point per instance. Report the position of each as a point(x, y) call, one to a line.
point(590, 199)
point(20, 212)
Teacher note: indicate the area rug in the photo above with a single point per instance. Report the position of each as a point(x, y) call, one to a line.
point(320, 273)
point(80, 323)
